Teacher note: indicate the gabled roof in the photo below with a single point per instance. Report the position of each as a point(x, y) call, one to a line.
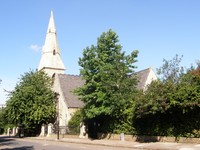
point(68, 84)
point(143, 76)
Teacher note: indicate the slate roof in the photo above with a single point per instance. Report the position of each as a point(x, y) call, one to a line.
point(142, 77)
point(68, 83)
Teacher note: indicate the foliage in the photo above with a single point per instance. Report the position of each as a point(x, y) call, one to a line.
point(32, 101)
point(171, 70)
point(109, 89)
point(2, 117)
point(170, 107)
point(198, 63)
point(2, 120)
point(74, 122)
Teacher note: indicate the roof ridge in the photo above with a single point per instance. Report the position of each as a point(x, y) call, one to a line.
point(144, 69)
point(70, 75)
point(73, 75)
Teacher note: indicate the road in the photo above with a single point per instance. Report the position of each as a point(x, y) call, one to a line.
point(7, 143)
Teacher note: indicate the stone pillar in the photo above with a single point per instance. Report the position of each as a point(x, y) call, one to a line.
point(8, 131)
point(42, 133)
point(17, 130)
point(122, 137)
point(14, 131)
point(50, 129)
point(82, 130)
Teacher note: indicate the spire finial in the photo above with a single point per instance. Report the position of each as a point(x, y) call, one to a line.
point(51, 13)
point(51, 27)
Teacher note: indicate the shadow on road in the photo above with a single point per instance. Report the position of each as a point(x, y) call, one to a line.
point(20, 148)
point(6, 141)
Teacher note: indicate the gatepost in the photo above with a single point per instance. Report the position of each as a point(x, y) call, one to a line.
point(122, 137)
point(50, 131)
point(42, 130)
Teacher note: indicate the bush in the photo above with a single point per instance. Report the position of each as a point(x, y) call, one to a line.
point(74, 122)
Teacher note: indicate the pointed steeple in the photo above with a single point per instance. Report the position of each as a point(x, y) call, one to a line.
point(51, 61)
point(51, 27)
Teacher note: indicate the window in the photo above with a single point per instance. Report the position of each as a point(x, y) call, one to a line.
point(54, 52)
point(53, 76)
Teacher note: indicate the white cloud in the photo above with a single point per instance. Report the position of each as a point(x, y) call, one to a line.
point(35, 47)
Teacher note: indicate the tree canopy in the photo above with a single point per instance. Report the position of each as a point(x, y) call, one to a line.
point(170, 106)
point(32, 102)
point(108, 90)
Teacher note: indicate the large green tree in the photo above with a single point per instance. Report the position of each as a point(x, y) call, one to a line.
point(109, 89)
point(32, 101)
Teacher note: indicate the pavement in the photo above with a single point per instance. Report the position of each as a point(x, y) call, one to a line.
point(128, 144)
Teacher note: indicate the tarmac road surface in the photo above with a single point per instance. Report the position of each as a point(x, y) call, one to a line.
point(7, 143)
point(46, 143)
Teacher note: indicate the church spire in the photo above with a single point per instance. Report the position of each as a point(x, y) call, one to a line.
point(51, 27)
point(51, 61)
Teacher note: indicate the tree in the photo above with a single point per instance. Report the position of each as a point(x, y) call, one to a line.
point(2, 120)
point(167, 105)
point(171, 69)
point(198, 63)
point(109, 89)
point(32, 101)
point(74, 122)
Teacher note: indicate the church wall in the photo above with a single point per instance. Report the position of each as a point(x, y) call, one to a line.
point(151, 77)
point(64, 112)
point(63, 109)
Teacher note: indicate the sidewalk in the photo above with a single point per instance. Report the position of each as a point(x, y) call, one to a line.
point(128, 144)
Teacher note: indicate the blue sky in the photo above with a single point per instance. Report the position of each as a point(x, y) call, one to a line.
point(157, 28)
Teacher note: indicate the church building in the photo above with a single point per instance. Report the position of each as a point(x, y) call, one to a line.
point(64, 84)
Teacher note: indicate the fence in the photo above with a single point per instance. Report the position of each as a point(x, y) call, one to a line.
point(72, 130)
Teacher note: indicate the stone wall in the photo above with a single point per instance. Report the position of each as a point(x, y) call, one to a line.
point(147, 138)
point(63, 136)
point(132, 138)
